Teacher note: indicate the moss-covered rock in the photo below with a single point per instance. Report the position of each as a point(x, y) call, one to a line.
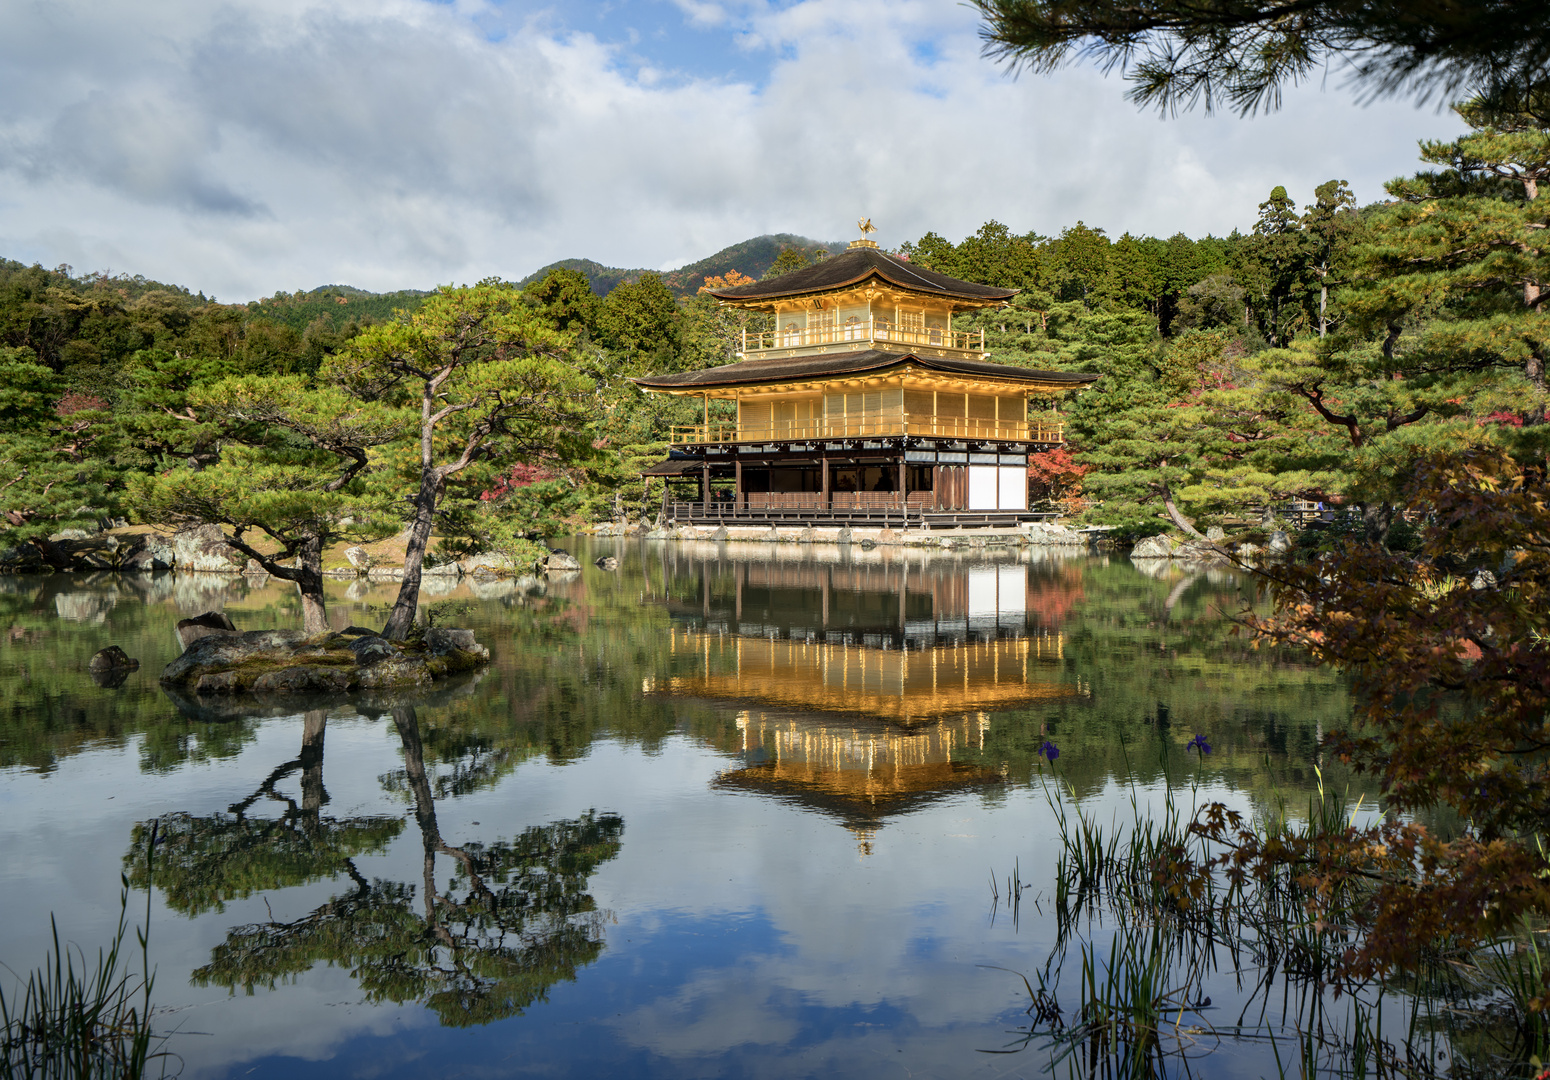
point(289, 662)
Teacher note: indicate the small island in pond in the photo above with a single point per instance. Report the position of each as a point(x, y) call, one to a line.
point(219, 659)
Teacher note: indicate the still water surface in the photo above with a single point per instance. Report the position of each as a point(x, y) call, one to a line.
point(722, 811)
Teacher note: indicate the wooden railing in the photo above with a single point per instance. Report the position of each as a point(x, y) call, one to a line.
point(873, 330)
point(855, 427)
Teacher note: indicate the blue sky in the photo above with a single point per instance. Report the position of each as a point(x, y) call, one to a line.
point(247, 146)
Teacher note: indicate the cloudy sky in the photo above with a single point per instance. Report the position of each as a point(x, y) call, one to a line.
point(248, 146)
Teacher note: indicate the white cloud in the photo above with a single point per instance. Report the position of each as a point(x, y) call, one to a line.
point(247, 147)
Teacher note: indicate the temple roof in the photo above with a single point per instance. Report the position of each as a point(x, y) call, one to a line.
point(795, 368)
point(852, 268)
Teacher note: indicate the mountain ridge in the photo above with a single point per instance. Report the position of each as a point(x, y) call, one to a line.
point(751, 257)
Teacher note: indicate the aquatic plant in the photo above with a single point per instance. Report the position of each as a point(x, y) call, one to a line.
point(83, 1021)
point(1152, 945)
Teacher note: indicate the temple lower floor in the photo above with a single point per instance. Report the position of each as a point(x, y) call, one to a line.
point(848, 480)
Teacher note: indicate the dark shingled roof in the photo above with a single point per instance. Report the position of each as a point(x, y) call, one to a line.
point(794, 368)
point(855, 266)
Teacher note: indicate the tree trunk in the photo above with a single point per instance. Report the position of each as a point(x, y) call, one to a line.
point(1177, 517)
point(1377, 521)
point(309, 584)
point(1534, 371)
point(408, 724)
point(307, 575)
point(313, 795)
point(402, 616)
point(1323, 308)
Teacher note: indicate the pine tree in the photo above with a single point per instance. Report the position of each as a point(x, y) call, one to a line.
point(491, 385)
point(639, 324)
point(1282, 251)
point(1331, 224)
point(298, 467)
point(1462, 254)
point(53, 456)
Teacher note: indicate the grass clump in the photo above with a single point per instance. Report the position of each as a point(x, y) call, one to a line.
point(82, 1020)
point(1152, 941)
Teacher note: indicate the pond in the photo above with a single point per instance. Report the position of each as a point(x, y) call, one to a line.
point(722, 810)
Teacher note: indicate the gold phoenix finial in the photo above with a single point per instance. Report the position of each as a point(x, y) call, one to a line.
point(866, 226)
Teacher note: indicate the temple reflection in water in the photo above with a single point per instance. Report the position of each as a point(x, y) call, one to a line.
point(863, 689)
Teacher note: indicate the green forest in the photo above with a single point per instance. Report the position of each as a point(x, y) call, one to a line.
point(1317, 356)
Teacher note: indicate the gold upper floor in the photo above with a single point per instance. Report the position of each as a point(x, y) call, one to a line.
point(869, 318)
point(896, 405)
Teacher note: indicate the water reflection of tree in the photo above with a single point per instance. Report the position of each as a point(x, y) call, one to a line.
point(204, 861)
point(513, 919)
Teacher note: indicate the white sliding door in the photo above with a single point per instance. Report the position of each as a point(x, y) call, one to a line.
point(1014, 488)
point(984, 487)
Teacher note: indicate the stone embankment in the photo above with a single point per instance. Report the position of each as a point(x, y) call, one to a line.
point(1214, 549)
point(219, 659)
point(205, 550)
point(1032, 534)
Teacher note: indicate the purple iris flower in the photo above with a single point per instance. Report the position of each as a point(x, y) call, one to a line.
point(1050, 750)
point(1199, 743)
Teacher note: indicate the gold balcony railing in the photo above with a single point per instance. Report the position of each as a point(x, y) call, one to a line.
point(942, 427)
point(872, 330)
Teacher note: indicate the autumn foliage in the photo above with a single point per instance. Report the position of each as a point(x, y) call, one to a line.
point(1448, 657)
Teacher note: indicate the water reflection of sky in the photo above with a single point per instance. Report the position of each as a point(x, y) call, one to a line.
point(801, 885)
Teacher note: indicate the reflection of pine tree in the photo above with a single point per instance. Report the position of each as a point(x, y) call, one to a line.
point(202, 862)
point(513, 919)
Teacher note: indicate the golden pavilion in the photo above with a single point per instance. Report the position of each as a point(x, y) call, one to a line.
point(862, 405)
point(860, 689)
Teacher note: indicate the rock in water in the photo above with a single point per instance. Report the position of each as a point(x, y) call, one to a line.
point(109, 668)
point(561, 560)
point(1280, 543)
point(1153, 547)
point(1216, 534)
point(206, 625)
point(358, 557)
point(111, 657)
point(607, 562)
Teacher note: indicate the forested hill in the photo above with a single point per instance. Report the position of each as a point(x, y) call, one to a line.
point(336, 305)
point(751, 257)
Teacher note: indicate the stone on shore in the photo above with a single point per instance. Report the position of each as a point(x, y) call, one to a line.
point(1045, 534)
point(1153, 547)
point(560, 560)
point(205, 548)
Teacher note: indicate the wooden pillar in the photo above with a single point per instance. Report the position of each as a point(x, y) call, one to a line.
point(737, 493)
point(705, 484)
point(825, 500)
